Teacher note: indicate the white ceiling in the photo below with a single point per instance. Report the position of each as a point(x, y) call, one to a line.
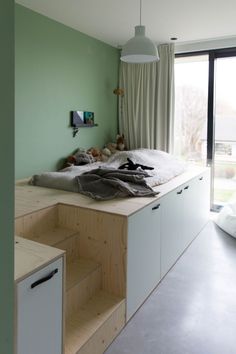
point(113, 21)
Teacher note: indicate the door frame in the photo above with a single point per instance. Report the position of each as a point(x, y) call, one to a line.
point(213, 54)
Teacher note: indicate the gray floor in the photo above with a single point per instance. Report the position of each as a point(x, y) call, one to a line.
point(193, 310)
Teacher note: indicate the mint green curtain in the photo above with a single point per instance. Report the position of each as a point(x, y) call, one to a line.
point(146, 109)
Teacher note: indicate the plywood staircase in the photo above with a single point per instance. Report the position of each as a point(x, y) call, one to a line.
point(93, 316)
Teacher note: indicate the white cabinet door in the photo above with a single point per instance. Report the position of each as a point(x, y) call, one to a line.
point(159, 234)
point(190, 213)
point(143, 260)
point(39, 311)
point(171, 228)
point(204, 198)
point(184, 212)
point(196, 205)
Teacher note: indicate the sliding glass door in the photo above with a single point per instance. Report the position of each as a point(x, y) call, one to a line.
point(224, 167)
point(205, 117)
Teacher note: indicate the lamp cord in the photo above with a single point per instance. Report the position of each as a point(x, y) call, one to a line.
point(140, 12)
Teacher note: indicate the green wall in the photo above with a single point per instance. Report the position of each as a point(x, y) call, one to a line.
point(7, 175)
point(57, 70)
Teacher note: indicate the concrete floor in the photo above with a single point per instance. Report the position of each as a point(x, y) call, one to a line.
point(193, 309)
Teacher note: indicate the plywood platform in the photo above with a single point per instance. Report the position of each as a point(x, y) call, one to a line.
point(31, 198)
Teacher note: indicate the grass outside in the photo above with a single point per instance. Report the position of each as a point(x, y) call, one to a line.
point(224, 171)
point(224, 196)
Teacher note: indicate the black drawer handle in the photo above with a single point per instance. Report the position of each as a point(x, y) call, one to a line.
point(180, 191)
point(156, 207)
point(187, 187)
point(201, 178)
point(42, 280)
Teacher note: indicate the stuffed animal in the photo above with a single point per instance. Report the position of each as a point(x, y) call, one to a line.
point(106, 153)
point(120, 142)
point(134, 166)
point(118, 146)
point(112, 147)
point(96, 153)
point(79, 158)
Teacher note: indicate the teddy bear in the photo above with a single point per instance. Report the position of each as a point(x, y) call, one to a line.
point(118, 146)
point(106, 153)
point(95, 152)
point(112, 147)
point(120, 142)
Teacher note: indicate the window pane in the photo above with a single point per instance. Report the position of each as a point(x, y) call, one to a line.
point(191, 96)
point(225, 131)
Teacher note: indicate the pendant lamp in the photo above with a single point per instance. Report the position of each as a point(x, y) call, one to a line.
point(139, 49)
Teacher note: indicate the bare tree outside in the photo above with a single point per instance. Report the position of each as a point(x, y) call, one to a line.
point(191, 112)
point(191, 75)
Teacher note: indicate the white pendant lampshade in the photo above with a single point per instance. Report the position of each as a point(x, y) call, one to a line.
point(139, 49)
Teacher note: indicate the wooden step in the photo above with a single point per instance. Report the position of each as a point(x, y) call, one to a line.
point(83, 280)
point(95, 325)
point(71, 246)
point(53, 236)
point(78, 270)
point(44, 226)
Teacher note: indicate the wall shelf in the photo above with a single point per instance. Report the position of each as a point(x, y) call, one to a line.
point(86, 125)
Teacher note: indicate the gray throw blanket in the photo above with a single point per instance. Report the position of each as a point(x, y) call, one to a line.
point(105, 184)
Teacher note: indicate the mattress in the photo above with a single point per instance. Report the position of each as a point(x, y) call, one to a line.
point(165, 167)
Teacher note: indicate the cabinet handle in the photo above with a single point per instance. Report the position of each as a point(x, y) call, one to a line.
point(187, 187)
point(156, 207)
point(201, 178)
point(42, 280)
point(180, 191)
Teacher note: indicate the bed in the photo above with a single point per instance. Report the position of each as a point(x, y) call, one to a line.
point(129, 237)
point(164, 167)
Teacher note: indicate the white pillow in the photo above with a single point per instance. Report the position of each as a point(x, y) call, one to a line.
point(227, 219)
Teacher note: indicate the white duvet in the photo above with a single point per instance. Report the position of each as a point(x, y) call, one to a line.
point(166, 166)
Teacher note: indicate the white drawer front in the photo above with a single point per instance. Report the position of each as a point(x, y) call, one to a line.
point(39, 311)
point(143, 264)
